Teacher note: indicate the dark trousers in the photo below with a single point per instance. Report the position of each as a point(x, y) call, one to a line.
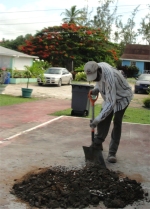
point(103, 128)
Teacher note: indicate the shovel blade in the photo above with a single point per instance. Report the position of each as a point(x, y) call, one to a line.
point(94, 155)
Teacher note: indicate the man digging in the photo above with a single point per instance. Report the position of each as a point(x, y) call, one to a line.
point(117, 95)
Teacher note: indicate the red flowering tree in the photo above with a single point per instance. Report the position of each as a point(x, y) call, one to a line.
point(60, 45)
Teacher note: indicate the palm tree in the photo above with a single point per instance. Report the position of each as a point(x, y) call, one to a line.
point(72, 15)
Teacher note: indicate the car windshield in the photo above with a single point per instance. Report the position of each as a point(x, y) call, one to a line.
point(144, 77)
point(53, 71)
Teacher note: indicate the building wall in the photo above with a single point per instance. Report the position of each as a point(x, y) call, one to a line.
point(139, 64)
point(17, 63)
point(125, 62)
point(5, 62)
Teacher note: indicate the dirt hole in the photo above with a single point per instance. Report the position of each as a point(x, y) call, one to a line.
point(59, 187)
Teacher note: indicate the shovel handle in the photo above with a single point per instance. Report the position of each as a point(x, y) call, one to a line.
point(92, 132)
point(92, 100)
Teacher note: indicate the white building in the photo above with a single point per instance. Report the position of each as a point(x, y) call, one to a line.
point(14, 60)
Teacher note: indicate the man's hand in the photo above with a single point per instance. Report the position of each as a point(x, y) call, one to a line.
point(92, 125)
point(94, 91)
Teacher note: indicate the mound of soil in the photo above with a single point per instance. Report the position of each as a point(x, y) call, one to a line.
point(58, 187)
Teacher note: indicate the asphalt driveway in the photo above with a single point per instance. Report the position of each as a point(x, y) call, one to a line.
point(32, 139)
point(59, 141)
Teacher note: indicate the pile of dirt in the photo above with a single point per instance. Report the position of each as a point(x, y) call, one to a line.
point(58, 187)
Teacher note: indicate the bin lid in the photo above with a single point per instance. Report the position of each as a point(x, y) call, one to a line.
point(82, 85)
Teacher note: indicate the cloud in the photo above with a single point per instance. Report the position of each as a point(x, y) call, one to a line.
point(18, 22)
point(14, 21)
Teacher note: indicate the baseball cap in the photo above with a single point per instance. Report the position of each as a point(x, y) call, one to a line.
point(90, 69)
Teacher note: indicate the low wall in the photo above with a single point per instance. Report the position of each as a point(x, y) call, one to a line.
point(22, 80)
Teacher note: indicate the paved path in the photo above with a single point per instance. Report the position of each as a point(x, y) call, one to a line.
point(16, 118)
point(59, 142)
point(20, 117)
point(45, 140)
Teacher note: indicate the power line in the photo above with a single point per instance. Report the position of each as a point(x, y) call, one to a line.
point(28, 23)
point(31, 11)
point(120, 13)
point(65, 8)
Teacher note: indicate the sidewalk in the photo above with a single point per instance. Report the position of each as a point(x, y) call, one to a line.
point(17, 118)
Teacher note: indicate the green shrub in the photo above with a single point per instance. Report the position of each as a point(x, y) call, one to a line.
point(130, 71)
point(79, 69)
point(110, 61)
point(79, 73)
point(146, 102)
point(9, 70)
point(80, 76)
point(34, 71)
point(148, 90)
point(133, 71)
point(18, 74)
point(38, 65)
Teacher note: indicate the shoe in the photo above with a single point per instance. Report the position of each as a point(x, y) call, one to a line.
point(111, 158)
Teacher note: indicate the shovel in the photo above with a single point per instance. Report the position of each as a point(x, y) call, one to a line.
point(93, 154)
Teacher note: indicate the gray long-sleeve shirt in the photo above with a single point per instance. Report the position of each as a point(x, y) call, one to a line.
point(114, 89)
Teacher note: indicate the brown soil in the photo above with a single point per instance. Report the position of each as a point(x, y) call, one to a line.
point(58, 187)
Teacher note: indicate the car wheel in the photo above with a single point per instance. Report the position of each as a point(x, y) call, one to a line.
point(69, 83)
point(135, 91)
point(40, 84)
point(59, 83)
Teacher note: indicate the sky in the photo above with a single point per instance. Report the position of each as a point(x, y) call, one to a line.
point(21, 17)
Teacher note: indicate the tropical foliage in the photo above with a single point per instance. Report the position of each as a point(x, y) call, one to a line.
point(116, 27)
point(145, 27)
point(104, 17)
point(79, 69)
point(146, 102)
point(36, 70)
point(72, 15)
point(80, 76)
point(130, 71)
point(13, 44)
point(37, 64)
point(126, 32)
point(62, 45)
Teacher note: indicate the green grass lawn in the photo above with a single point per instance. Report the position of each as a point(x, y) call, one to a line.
point(6, 100)
point(131, 80)
point(132, 115)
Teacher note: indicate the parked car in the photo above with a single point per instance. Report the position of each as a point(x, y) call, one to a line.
point(142, 83)
point(56, 75)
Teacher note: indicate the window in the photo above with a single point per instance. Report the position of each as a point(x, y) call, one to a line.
point(133, 63)
point(146, 66)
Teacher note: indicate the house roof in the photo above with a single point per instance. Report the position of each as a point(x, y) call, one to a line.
point(12, 53)
point(136, 52)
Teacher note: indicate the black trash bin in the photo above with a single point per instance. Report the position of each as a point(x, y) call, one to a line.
point(80, 102)
point(7, 79)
